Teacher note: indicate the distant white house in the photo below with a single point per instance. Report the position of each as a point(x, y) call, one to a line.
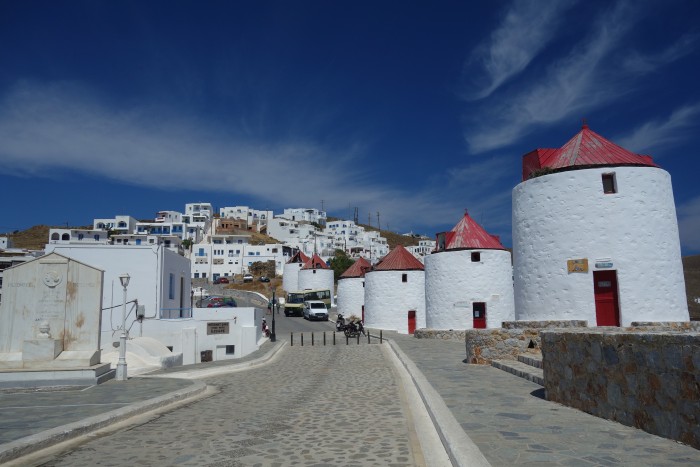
point(254, 219)
point(305, 214)
point(120, 224)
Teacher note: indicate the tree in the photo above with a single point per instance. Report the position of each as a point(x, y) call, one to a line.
point(263, 268)
point(340, 263)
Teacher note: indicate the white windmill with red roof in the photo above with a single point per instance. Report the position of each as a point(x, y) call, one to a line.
point(595, 236)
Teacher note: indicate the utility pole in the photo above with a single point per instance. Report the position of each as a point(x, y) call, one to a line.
point(369, 219)
point(379, 225)
point(322, 204)
point(356, 216)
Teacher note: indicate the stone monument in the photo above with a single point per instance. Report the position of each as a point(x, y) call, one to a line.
point(50, 319)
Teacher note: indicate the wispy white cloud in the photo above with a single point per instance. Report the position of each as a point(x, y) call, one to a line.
point(569, 87)
point(680, 125)
point(528, 26)
point(638, 63)
point(47, 130)
point(689, 225)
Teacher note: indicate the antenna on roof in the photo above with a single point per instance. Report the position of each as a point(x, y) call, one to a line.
point(585, 124)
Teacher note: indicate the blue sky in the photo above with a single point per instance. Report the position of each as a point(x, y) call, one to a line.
point(416, 110)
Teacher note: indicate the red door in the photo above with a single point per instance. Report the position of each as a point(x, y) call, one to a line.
point(479, 310)
point(411, 321)
point(607, 311)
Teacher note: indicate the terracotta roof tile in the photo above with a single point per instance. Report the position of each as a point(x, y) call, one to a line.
point(468, 234)
point(586, 149)
point(398, 259)
point(315, 263)
point(299, 257)
point(357, 269)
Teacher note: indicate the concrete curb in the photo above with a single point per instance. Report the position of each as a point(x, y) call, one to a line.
point(460, 448)
point(29, 444)
point(220, 370)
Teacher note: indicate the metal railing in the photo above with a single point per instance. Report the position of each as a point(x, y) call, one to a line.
point(334, 340)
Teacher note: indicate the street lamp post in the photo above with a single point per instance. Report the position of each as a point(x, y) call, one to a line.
point(121, 365)
point(273, 336)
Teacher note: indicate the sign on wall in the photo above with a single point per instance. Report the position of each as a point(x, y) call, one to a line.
point(217, 328)
point(577, 265)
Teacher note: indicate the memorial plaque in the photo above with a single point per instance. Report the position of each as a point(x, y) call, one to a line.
point(217, 328)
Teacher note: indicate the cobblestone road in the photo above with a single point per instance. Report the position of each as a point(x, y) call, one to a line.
point(311, 406)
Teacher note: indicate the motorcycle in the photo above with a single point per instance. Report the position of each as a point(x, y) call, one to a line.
point(354, 329)
point(340, 323)
point(265, 328)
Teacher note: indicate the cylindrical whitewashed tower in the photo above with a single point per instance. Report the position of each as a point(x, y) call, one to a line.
point(395, 293)
point(317, 275)
point(290, 276)
point(468, 280)
point(351, 289)
point(597, 239)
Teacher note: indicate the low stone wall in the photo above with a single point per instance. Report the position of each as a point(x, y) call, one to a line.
point(649, 380)
point(439, 334)
point(513, 339)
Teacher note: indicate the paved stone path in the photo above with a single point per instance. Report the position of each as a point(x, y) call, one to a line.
point(310, 406)
point(512, 424)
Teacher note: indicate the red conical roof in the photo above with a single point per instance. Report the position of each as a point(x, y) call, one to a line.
point(399, 259)
point(315, 263)
point(298, 257)
point(357, 269)
point(586, 149)
point(468, 234)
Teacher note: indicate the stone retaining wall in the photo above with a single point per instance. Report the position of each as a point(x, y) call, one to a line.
point(513, 339)
point(649, 380)
point(439, 334)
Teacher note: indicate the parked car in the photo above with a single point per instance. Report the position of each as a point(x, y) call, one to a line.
point(264, 279)
point(315, 310)
point(247, 278)
point(217, 301)
point(223, 280)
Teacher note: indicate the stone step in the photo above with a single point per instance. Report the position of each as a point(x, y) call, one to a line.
point(530, 373)
point(534, 360)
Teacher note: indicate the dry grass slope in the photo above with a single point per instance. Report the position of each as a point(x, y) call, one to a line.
point(691, 268)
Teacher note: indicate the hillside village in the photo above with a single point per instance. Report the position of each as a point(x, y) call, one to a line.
point(563, 283)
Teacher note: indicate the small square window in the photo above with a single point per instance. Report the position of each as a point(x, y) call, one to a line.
point(476, 257)
point(609, 185)
point(230, 349)
point(404, 277)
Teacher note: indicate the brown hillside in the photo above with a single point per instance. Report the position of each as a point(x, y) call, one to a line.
point(691, 269)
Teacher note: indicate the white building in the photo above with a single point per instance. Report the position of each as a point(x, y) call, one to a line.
point(395, 293)
point(317, 275)
point(351, 289)
point(120, 224)
point(254, 219)
point(290, 276)
point(305, 214)
point(160, 290)
point(468, 280)
point(424, 248)
point(595, 236)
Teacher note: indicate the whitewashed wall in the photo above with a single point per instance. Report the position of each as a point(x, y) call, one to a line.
point(290, 277)
point(351, 296)
point(388, 299)
point(317, 279)
point(453, 282)
point(566, 215)
point(189, 336)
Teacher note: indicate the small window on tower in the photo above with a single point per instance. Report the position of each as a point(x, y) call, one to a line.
point(476, 257)
point(404, 277)
point(609, 185)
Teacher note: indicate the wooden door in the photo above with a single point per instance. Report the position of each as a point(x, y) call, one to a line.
point(411, 321)
point(479, 315)
point(607, 311)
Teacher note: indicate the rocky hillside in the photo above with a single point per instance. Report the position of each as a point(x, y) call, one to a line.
point(691, 268)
